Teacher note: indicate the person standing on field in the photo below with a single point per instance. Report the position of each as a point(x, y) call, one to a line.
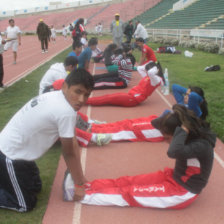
point(13, 37)
point(117, 30)
point(44, 34)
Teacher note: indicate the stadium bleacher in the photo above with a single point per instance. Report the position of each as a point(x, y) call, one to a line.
point(158, 14)
point(94, 14)
point(193, 16)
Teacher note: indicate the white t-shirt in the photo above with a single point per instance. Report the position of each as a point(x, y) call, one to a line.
point(37, 126)
point(12, 32)
point(84, 42)
point(64, 31)
point(141, 32)
point(53, 32)
point(55, 72)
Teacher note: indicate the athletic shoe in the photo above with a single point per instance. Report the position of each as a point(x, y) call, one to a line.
point(46, 51)
point(68, 187)
point(43, 51)
point(103, 139)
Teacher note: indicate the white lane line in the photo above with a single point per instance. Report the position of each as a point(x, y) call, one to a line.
point(78, 206)
point(217, 157)
point(164, 99)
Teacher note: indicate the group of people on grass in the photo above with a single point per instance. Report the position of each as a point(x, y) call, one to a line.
point(54, 115)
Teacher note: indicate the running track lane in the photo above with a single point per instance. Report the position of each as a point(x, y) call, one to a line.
point(125, 158)
point(30, 57)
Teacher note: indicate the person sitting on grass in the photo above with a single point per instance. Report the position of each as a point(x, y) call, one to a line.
point(76, 49)
point(137, 94)
point(57, 71)
point(193, 98)
point(85, 56)
point(32, 131)
point(191, 145)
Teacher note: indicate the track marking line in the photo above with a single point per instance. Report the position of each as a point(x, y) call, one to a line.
point(78, 206)
point(217, 157)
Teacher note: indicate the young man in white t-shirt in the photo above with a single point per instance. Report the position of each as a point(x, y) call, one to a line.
point(57, 71)
point(13, 37)
point(32, 131)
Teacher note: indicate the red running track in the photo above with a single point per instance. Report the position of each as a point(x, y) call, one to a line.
point(29, 57)
point(118, 159)
point(132, 158)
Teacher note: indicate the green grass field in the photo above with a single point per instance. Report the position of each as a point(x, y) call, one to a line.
point(182, 70)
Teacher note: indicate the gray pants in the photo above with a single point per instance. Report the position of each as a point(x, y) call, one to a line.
point(118, 41)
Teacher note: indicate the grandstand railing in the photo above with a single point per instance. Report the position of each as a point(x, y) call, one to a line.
point(197, 35)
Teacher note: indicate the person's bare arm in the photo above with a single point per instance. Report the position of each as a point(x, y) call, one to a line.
point(86, 65)
point(71, 153)
point(142, 59)
point(19, 37)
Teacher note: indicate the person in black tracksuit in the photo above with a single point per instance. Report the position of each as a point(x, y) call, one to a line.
point(117, 79)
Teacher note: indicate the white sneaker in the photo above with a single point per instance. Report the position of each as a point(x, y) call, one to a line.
point(43, 51)
point(68, 187)
point(46, 51)
point(103, 139)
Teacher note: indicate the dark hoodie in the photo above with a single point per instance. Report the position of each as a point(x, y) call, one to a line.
point(43, 31)
point(195, 153)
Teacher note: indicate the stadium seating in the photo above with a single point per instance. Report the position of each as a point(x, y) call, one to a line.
point(94, 14)
point(193, 16)
point(127, 10)
point(162, 8)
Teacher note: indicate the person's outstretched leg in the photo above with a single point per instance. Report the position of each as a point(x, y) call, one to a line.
point(155, 190)
point(117, 99)
point(139, 129)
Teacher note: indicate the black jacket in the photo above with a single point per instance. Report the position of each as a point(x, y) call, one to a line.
point(195, 153)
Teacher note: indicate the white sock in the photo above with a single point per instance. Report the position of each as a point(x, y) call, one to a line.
point(94, 138)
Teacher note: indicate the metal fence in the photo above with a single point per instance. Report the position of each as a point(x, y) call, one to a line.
point(197, 35)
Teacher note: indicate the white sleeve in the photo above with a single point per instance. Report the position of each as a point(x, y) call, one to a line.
point(154, 78)
point(66, 126)
point(137, 30)
point(18, 30)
